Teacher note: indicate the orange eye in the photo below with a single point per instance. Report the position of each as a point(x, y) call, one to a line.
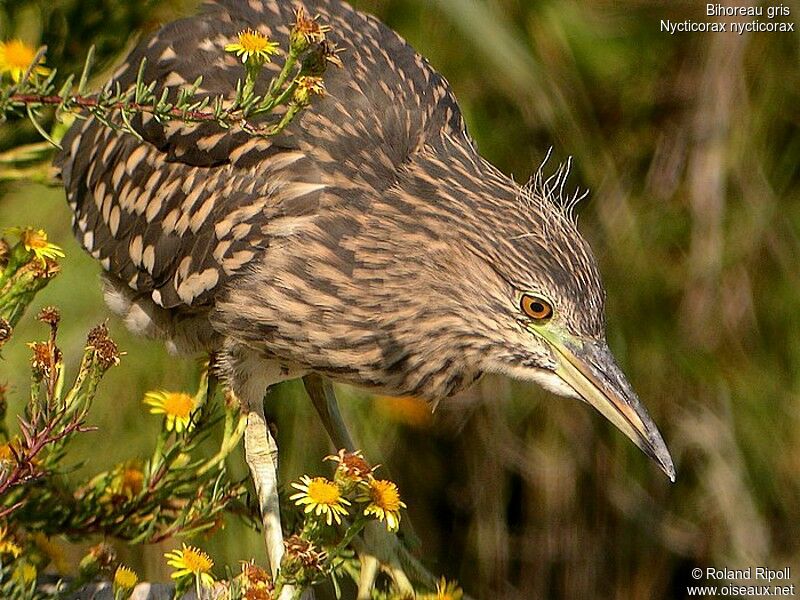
point(536, 308)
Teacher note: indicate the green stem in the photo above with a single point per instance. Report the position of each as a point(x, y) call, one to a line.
point(58, 389)
point(352, 531)
point(229, 442)
point(287, 118)
point(158, 452)
point(279, 101)
point(252, 69)
point(277, 84)
point(83, 373)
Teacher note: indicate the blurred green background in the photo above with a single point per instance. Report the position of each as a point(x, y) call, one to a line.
point(690, 145)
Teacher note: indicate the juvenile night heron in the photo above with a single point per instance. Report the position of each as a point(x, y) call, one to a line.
point(369, 243)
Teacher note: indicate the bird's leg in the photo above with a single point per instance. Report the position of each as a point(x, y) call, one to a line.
point(261, 454)
point(248, 377)
point(367, 576)
point(379, 547)
point(323, 397)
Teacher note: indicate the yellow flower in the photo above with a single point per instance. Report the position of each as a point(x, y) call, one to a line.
point(35, 240)
point(253, 45)
point(384, 502)
point(191, 561)
point(16, 57)
point(445, 590)
point(131, 480)
point(320, 496)
point(125, 578)
point(24, 574)
point(176, 407)
point(7, 543)
point(126, 483)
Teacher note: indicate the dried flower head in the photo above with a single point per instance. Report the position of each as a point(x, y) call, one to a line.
point(45, 357)
point(307, 88)
point(49, 315)
point(191, 561)
point(305, 553)
point(255, 575)
point(384, 502)
point(305, 32)
point(105, 349)
point(316, 62)
point(351, 467)
point(16, 58)
point(100, 558)
point(44, 269)
point(258, 593)
point(5, 250)
point(176, 407)
point(253, 46)
point(5, 331)
point(321, 497)
point(257, 582)
point(96, 335)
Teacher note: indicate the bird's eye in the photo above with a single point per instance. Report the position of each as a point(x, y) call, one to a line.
point(536, 308)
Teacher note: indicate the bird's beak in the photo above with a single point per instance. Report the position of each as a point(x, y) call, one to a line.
point(589, 368)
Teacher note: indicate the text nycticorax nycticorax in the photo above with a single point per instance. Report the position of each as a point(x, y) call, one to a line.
point(368, 243)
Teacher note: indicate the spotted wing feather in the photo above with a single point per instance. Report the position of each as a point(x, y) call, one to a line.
point(177, 214)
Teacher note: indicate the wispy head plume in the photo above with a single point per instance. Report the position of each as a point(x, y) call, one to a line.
point(548, 197)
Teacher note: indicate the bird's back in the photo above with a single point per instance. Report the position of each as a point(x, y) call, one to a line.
point(175, 217)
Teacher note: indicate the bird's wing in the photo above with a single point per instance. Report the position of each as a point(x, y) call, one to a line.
point(178, 213)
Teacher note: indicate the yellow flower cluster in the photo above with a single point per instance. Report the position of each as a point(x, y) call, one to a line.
point(354, 476)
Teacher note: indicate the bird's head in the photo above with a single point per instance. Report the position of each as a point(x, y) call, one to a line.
point(531, 294)
point(452, 272)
